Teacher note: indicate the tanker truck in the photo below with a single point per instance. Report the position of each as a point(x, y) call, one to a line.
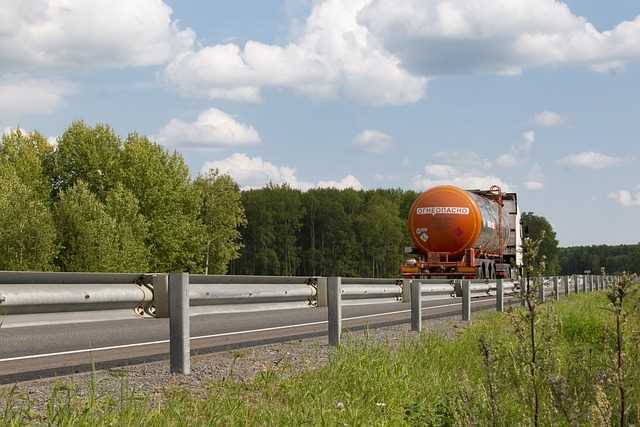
point(464, 234)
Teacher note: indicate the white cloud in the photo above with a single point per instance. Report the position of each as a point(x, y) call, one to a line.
point(439, 170)
point(503, 37)
point(529, 138)
point(213, 129)
point(380, 177)
point(518, 152)
point(610, 67)
point(254, 172)
point(373, 141)
point(21, 95)
point(507, 161)
point(535, 178)
point(465, 171)
point(534, 185)
point(590, 160)
point(548, 119)
point(80, 33)
point(626, 198)
point(332, 55)
point(348, 181)
point(379, 52)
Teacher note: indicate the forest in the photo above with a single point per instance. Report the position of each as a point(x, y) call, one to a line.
point(613, 259)
point(95, 201)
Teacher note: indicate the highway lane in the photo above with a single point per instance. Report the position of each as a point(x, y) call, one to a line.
point(39, 351)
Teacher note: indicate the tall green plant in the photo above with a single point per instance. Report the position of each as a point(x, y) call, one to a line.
point(618, 296)
point(535, 327)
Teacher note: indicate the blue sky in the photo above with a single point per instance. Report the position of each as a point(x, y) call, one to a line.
point(536, 95)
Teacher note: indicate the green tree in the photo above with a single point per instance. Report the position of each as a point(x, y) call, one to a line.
point(380, 233)
point(92, 155)
point(328, 237)
point(274, 219)
point(27, 154)
point(614, 259)
point(87, 234)
point(131, 230)
point(539, 229)
point(222, 214)
point(27, 231)
point(96, 236)
point(170, 202)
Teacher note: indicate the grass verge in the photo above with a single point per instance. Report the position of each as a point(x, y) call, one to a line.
point(477, 377)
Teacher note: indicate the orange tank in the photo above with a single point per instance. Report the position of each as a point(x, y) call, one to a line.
point(450, 220)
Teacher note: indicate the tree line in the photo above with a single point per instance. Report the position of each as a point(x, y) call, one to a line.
point(98, 202)
point(324, 232)
point(613, 258)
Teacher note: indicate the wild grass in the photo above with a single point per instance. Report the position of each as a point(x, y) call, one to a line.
point(479, 377)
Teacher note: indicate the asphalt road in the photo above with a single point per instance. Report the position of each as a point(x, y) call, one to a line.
point(42, 351)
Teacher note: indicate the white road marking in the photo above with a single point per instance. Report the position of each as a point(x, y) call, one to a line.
point(224, 334)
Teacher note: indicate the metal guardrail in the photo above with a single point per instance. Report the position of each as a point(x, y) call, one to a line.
point(31, 298)
point(28, 298)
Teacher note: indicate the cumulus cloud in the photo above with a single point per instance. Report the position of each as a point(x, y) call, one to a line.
point(213, 129)
point(22, 95)
point(518, 151)
point(468, 171)
point(374, 51)
point(610, 67)
point(589, 160)
point(626, 198)
point(466, 36)
point(380, 177)
point(373, 141)
point(332, 55)
point(535, 178)
point(254, 172)
point(507, 161)
point(534, 185)
point(548, 119)
point(79, 33)
point(378, 52)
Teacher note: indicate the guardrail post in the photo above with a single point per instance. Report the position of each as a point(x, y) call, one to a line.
point(576, 284)
point(524, 290)
point(321, 297)
point(416, 305)
point(334, 309)
point(591, 283)
point(565, 282)
point(541, 296)
point(499, 295)
point(466, 300)
point(556, 293)
point(179, 336)
point(601, 283)
point(406, 290)
point(161, 295)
